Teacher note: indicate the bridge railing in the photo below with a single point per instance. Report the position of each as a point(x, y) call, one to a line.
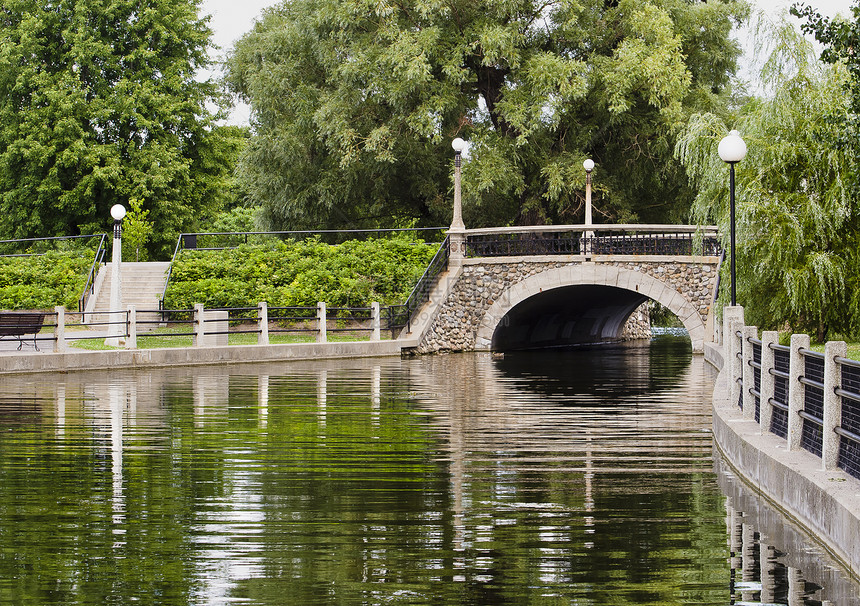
point(661, 240)
point(807, 398)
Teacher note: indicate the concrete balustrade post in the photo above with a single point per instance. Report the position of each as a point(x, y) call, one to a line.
point(60, 330)
point(199, 328)
point(322, 319)
point(748, 372)
point(262, 323)
point(796, 390)
point(131, 333)
point(375, 322)
point(832, 403)
point(733, 321)
point(768, 381)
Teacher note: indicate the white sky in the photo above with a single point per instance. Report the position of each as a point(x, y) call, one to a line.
point(231, 19)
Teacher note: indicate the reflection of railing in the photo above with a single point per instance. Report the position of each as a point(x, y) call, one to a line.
point(400, 316)
point(675, 240)
point(810, 399)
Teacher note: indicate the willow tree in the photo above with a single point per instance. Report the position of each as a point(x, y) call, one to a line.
point(798, 222)
point(355, 102)
point(99, 103)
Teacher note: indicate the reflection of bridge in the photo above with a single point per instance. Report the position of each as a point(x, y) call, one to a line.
point(544, 286)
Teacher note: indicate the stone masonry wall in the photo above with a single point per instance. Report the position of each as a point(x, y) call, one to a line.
point(479, 286)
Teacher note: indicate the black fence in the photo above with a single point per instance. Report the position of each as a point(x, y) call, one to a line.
point(579, 242)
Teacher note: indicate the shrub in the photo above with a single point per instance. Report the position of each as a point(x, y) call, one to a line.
point(300, 273)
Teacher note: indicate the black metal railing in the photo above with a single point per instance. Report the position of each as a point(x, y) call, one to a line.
point(779, 401)
point(400, 316)
point(756, 366)
point(89, 288)
point(812, 433)
point(849, 427)
point(599, 240)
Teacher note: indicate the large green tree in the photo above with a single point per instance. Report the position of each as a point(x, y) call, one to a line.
point(99, 104)
point(798, 219)
point(355, 103)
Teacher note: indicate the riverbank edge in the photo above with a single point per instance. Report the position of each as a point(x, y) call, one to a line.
point(195, 356)
point(825, 503)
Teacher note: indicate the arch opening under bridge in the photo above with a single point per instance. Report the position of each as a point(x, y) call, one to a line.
point(577, 305)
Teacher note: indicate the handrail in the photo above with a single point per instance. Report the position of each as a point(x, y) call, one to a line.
point(691, 229)
point(421, 291)
point(89, 288)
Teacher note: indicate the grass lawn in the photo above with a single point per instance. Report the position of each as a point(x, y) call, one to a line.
point(177, 336)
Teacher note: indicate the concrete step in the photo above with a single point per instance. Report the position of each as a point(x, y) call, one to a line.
point(142, 286)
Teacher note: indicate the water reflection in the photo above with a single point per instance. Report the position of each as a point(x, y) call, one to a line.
point(447, 479)
point(772, 560)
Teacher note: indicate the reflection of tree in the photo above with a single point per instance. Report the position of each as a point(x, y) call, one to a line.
point(436, 480)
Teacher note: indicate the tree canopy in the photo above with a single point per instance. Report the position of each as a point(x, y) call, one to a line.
point(798, 220)
point(99, 104)
point(355, 102)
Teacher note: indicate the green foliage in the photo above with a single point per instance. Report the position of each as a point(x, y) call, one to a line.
point(798, 222)
point(355, 104)
point(99, 104)
point(300, 273)
point(136, 230)
point(44, 281)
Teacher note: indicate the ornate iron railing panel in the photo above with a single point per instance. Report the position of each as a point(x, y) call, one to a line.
point(598, 240)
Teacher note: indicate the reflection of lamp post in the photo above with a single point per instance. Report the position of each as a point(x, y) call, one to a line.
point(732, 150)
point(117, 211)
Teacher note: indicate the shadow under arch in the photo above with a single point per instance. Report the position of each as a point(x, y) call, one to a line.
point(578, 304)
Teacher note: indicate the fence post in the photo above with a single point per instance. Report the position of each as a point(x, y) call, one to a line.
point(768, 381)
point(748, 372)
point(733, 321)
point(375, 322)
point(321, 323)
point(796, 390)
point(832, 403)
point(199, 330)
point(60, 330)
point(131, 338)
point(263, 323)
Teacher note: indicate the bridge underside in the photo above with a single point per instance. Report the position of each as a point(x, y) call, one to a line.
point(570, 315)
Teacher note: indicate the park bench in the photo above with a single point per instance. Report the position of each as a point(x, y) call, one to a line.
point(20, 324)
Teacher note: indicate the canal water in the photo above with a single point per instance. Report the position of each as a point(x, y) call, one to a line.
point(561, 477)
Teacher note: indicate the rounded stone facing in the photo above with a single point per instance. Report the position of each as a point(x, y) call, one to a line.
point(483, 294)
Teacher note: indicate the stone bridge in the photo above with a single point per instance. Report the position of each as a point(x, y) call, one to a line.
point(548, 286)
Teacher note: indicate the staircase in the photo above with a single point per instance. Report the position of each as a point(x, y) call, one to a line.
point(142, 285)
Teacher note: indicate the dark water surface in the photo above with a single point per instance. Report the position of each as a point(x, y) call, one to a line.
point(581, 477)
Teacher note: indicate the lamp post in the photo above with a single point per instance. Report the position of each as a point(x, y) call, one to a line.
point(732, 150)
point(117, 211)
point(588, 165)
point(457, 221)
point(456, 233)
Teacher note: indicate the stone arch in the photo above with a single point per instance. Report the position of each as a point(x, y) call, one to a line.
point(588, 274)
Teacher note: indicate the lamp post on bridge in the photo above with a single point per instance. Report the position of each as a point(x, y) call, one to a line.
point(732, 150)
point(588, 165)
point(457, 231)
point(117, 211)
